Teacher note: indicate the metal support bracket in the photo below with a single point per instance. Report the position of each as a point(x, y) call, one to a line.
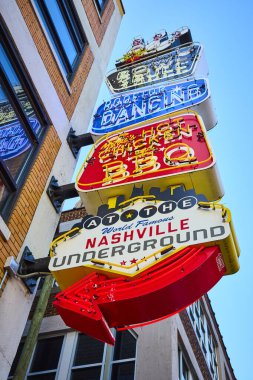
point(77, 142)
point(29, 265)
point(58, 194)
point(26, 259)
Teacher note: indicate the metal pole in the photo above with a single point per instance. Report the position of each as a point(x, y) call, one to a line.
point(33, 332)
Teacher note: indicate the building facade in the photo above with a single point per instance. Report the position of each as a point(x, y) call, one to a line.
point(53, 57)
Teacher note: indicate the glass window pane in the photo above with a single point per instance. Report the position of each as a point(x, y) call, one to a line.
point(101, 5)
point(45, 376)
point(15, 145)
point(125, 346)
point(4, 193)
point(16, 359)
point(75, 28)
point(62, 30)
point(47, 354)
point(123, 371)
point(51, 37)
point(88, 351)
point(90, 373)
point(185, 370)
point(18, 89)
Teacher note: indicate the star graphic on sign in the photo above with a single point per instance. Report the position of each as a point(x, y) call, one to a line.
point(133, 261)
point(123, 262)
point(129, 215)
point(162, 149)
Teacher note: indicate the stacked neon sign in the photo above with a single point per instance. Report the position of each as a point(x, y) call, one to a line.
point(156, 237)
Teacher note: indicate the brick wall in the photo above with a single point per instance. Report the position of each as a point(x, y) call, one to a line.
point(195, 345)
point(30, 195)
point(220, 337)
point(50, 310)
point(98, 24)
point(76, 213)
point(68, 101)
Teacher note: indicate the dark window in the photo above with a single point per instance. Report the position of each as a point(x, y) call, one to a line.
point(123, 365)
point(22, 123)
point(47, 354)
point(16, 359)
point(123, 371)
point(101, 5)
point(65, 31)
point(91, 373)
point(183, 369)
point(88, 359)
point(125, 346)
point(42, 376)
point(45, 359)
point(88, 351)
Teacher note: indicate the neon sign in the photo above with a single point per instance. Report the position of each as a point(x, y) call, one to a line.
point(96, 303)
point(136, 108)
point(174, 65)
point(144, 252)
point(158, 154)
point(160, 43)
point(131, 259)
point(139, 232)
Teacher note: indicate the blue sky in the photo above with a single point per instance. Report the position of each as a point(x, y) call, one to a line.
point(225, 30)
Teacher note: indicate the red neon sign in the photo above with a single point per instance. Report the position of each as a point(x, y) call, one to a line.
point(174, 146)
point(96, 303)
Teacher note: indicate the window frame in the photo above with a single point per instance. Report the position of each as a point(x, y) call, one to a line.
point(76, 33)
point(68, 351)
point(36, 373)
point(182, 359)
point(14, 186)
point(204, 336)
point(99, 364)
point(122, 361)
point(99, 9)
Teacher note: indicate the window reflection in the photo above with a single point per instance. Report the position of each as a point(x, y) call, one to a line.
point(19, 91)
point(22, 123)
point(62, 30)
point(65, 32)
point(4, 193)
point(15, 145)
point(101, 5)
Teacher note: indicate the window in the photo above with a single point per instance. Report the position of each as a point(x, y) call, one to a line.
point(204, 335)
point(212, 355)
point(22, 123)
point(184, 372)
point(45, 360)
point(76, 356)
point(101, 5)
point(61, 22)
point(88, 359)
point(123, 364)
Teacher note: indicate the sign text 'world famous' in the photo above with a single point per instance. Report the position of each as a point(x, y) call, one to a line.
point(133, 235)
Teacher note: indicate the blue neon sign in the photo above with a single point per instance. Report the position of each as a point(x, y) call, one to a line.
point(126, 110)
